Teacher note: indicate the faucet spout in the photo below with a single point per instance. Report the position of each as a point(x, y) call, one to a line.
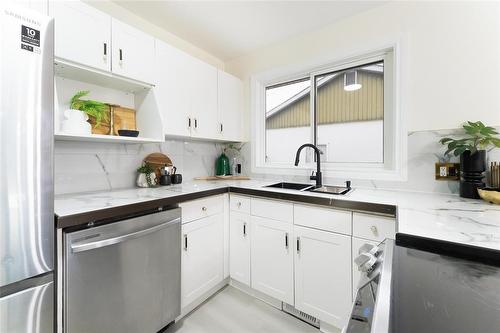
point(317, 177)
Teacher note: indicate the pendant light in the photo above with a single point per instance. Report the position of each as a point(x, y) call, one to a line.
point(351, 81)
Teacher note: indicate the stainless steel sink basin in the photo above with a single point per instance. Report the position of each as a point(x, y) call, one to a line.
point(337, 190)
point(291, 186)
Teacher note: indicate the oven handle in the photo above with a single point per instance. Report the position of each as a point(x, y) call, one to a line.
point(75, 248)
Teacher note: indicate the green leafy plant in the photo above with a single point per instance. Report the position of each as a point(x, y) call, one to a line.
point(146, 169)
point(94, 109)
point(479, 137)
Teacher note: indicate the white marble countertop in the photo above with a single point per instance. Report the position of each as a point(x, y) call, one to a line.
point(433, 215)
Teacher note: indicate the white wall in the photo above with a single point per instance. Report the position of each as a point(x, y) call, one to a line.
point(450, 57)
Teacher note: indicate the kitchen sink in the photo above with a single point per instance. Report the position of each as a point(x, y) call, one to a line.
point(291, 186)
point(337, 190)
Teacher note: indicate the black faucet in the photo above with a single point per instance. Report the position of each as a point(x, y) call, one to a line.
point(317, 177)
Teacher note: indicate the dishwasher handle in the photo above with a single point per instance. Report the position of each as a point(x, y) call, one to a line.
point(75, 248)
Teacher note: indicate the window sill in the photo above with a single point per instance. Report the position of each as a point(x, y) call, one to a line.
point(342, 172)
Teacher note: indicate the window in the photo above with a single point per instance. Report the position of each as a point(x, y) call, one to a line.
point(347, 113)
point(347, 110)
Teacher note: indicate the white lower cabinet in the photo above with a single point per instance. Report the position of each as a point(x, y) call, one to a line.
point(272, 258)
point(239, 245)
point(322, 274)
point(202, 257)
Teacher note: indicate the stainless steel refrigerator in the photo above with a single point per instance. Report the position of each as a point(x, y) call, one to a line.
point(26, 171)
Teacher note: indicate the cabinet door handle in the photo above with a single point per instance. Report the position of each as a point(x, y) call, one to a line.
point(238, 204)
point(374, 230)
point(185, 242)
point(120, 56)
point(189, 122)
point(204, 208)
point(286, 240)
point(244, 229)
point(195, 123)
point(105, 50)
point(221, 127)
point(298, 244)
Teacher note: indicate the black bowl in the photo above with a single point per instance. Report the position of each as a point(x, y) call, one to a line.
point(131, 133)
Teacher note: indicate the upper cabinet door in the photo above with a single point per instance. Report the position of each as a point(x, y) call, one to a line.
point(172, 89)
point(82, 34)
point(133, 52)
point(203, 89)
point(230, 103)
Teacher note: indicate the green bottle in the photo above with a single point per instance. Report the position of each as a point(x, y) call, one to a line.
point(222, 166)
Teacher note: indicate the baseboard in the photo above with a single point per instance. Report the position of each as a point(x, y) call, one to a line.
point(257, 294)
point(200, 300)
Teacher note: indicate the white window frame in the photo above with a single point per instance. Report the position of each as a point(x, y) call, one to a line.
point(395, 134)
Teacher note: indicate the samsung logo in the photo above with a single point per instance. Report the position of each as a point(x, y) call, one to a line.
point(21, 17)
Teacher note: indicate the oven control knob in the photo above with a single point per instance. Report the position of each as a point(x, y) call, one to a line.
point(369, 248)
point(365, 262)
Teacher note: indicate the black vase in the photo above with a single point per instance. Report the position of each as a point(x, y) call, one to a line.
point(472, 168)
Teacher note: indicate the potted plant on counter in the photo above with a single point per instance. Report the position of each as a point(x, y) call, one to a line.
point(77, 116)
point(472, 152)
point(146, 176)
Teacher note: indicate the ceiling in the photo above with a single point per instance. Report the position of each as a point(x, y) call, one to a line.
point(230, 29)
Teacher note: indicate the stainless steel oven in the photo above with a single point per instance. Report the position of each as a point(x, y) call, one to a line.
point(371, 307)
point(123, 276)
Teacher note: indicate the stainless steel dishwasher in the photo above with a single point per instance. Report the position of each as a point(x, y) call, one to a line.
point(123, 276)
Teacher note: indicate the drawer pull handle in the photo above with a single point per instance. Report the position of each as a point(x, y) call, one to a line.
point(374, 230)
point(244, 229)
point(185, 242)
point(286, 240)
point(238, 204)
point(204, 208)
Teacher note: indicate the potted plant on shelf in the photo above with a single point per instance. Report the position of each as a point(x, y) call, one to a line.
point(77, 116)
point(472, 152)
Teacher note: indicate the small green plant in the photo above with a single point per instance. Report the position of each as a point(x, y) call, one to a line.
point(94, 109)
point(146, 169)
point(479, 137)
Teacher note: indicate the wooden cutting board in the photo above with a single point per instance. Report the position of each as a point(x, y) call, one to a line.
point(158, 160)
point(123, 118)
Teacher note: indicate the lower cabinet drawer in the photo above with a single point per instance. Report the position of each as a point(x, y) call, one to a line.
point(238, 203)
point(373, 227)
point(197, 209)
point(272, 209)
point(322, 218)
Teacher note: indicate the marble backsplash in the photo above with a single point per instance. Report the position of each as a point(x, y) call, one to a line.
point(84, 166)
point(424, 150)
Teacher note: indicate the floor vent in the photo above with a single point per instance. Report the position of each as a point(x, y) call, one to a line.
point(301, 315)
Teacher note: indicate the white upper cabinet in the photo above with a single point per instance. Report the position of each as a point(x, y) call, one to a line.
point(172, 89)
point(82, 34)
point(133, 52)
point(230, 103)
point(203, 88)
point(322, 274)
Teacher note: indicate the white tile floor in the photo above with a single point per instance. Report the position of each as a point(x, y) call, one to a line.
point(232, 311)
